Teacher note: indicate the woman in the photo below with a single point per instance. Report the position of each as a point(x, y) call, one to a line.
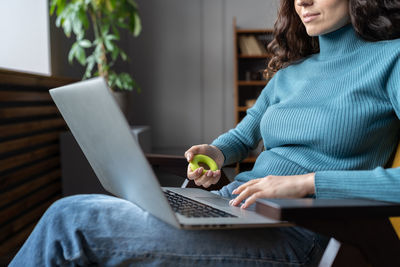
point(328, 120)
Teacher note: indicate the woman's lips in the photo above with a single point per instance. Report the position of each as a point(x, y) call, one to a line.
point(309, 17)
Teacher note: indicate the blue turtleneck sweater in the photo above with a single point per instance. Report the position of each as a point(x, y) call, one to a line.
point(334, 113)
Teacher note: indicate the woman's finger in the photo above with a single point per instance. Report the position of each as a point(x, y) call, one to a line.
point(217, 173)
point(202, 180)
point(189, 154)
point(192, 175)
point(242, 187)
point(252, 199)
point(242, 196)
point(197, 149)
point(213, 179)
point(210, 182)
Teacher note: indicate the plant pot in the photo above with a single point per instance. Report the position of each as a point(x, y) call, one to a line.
point(77, 175)
point(121, 97)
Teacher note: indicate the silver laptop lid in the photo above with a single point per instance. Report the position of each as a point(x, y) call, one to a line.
point(103, 134)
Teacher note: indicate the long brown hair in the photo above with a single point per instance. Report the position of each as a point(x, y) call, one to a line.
point(373, 20)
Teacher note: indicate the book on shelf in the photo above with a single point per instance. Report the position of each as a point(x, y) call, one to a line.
point(257, 47)
point(265, 39)
point(250, 46)
point(244, 49)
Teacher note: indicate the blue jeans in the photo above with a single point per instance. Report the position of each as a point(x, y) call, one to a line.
point(99, 230)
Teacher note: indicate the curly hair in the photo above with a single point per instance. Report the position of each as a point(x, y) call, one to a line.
point(373, 20)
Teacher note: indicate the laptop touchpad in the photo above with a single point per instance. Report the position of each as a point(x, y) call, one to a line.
point(215, 201)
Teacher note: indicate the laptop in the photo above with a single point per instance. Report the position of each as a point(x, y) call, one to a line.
point(104, 136)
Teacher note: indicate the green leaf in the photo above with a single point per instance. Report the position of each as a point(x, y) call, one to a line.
point(67, 27)
point(72, 52)
point(78, 29)
point(133, 3)
point(83, 17)
point(53, 5)
point(59, 4)
point(85, 43)
point(110, 5)
point(109, 44)
point(90, 64)
point(123, 55)
point(127, 81)
point(123, 25)
point(114, 54)
point(111, 37)
point(97, 53)
point(138, 25)
point(115, 31)
point(104, 29)
point(58, 21)
point(80, 55)
point(118, 82)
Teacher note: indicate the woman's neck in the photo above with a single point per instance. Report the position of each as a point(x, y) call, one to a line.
point(339, 42)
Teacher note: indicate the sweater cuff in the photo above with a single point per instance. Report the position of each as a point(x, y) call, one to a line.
point(227, 150)
point(337, 184)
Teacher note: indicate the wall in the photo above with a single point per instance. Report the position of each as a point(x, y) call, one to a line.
point(183, 60)
point(24, 28)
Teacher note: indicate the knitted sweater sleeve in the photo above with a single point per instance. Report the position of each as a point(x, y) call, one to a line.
point(237, 142)
point(379, 183)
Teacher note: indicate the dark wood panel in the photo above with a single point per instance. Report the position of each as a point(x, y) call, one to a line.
point(20, 207)
point(15, 161)
point(17, 176)
point(28, 141)
point(29, 154)
point(29, 127)
point(17, 225)
point(22, 96)
point(32, 80)
point(9, 247)
point(19, 112)
point(20, 191)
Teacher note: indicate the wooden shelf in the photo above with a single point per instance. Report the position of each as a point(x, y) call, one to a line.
point(256, 56)
point(248, 68)
point(254, 31)
point(249, 160)
point(252, 83)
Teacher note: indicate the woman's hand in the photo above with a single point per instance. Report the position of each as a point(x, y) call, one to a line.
point(210, 177)
point(294, 186)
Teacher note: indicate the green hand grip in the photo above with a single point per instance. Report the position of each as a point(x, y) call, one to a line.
point(199, 158)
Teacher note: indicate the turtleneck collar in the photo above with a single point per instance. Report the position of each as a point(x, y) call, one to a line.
point(339, 42)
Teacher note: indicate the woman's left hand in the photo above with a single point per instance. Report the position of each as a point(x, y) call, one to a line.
point(294, 186)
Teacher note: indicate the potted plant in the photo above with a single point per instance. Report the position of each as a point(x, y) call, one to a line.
point(96, 25)
point(105, 19)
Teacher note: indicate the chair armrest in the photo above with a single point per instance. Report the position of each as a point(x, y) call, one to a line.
point(309, 208)
point(168, 163)
point(177, 165)
point(358, 222)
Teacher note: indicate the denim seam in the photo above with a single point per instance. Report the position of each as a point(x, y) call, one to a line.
point(153, 254)
point(310, 251)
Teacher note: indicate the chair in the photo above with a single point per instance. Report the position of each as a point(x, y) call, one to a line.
point(362, 233)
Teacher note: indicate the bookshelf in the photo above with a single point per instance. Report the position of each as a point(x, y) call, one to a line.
point(250, 60)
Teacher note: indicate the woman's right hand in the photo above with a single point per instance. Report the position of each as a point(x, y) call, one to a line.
point(209, 177)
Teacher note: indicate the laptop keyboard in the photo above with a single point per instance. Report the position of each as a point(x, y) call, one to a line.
point(191, 208)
